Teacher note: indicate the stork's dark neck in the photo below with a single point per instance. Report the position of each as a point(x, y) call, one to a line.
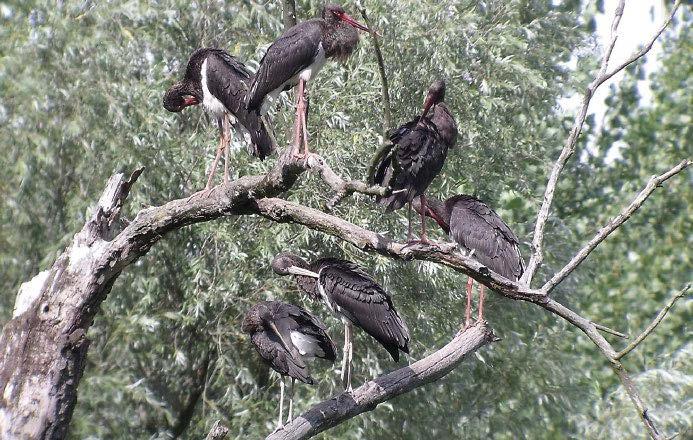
point(339, 39)
point(439, 212)
point(445, 123)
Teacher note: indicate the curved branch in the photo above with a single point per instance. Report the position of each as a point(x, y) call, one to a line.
point(650, 328)
point(569, 146)
point(336, 410)
point(615, 223)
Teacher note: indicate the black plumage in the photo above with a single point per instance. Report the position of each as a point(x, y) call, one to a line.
point(476, 227)
point(273, 325)
point(285, 336)
point(416, 153)
point(303, 49)
point(296, 57)
point(478, 230)
point(353, 294)
point(220, 82)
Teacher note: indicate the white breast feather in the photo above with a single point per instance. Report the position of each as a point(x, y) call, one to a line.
point(209, 101)
point(306, 345)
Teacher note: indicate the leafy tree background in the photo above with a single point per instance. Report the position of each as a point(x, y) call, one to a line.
point(81, 86)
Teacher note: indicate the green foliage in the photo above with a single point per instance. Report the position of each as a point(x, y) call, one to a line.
point(82, 84)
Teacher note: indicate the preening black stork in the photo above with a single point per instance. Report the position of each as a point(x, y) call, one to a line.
point(297, 57)
point(220, 82)
point(479, 231)
point(415, 155)
point(354, 297)
point(286, 336)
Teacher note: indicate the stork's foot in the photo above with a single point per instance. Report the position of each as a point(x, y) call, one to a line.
point(278, 428)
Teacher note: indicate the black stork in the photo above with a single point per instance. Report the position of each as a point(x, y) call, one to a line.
point(354, 297)
point(297, 57)
point(480, 232)
point(285, 336)
point(415, 155)
point(220, 82)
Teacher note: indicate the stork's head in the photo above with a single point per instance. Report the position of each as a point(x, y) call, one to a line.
point(335, 13)
point(435, 209)
point(287, 263)
point(435, 95)
point(256, 318)
point(179, 96)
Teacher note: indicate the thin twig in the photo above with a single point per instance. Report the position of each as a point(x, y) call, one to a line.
point(569, 146)
point(630, 347)
point(626, 213)
point(606, 329)
point(387, 110)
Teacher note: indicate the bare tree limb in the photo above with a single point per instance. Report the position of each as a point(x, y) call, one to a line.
point(218, 431)
point(606, 329)
point(537, 256)
point(653, 325)
point(615, 223)
point(387, 109)
point(344, 406)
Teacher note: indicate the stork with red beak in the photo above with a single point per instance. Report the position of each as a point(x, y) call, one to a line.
point(296, 57)
point(220, 82)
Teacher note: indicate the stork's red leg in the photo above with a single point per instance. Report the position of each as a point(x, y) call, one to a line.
point(227, 140)
point(304, 118)
point(409, 223)
point(424, 238)
point(297, 123)
point(216, 161)
point(481, 303)
point(468, 309)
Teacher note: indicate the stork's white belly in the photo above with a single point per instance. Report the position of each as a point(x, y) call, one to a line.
point(210, 102)
point(306, 74)
point(306, 345)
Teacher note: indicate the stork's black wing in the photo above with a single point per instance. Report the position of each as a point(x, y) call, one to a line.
point(229, 81)
point(417, 160)
point(380, 170)
point(289, 317)
point(474, 225)
point(292, 52)
point(359, 297)
point(273, 352)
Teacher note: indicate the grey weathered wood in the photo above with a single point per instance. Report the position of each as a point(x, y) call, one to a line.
point(346, 405)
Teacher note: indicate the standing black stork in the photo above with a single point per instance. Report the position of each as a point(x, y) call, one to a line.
point(221, 82)
point(480, 232)
point(297, 57)
point(354, 297)
point(415, 155)
point(286, 336)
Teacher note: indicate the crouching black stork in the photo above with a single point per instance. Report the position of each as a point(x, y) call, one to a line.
point(220, 82)
point(415, 155)
point(354, 297)
point(297, 57)
point(286, 336)
point(479, 231)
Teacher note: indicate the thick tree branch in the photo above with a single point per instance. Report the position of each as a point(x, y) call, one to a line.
point(368, 396)
point(537, 256)
point(289, 13)
point(218, 431)
point(650, 328)
point(615, 223)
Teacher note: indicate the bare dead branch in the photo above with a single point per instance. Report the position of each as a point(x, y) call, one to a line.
point(650, 328)
point(344, 406)
point(646, 48)
point(387, 110)
point(342, 188)
point(218, 431)
point(615, 223)
point(632, 392)
point(606, 329)
point(537, 256)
